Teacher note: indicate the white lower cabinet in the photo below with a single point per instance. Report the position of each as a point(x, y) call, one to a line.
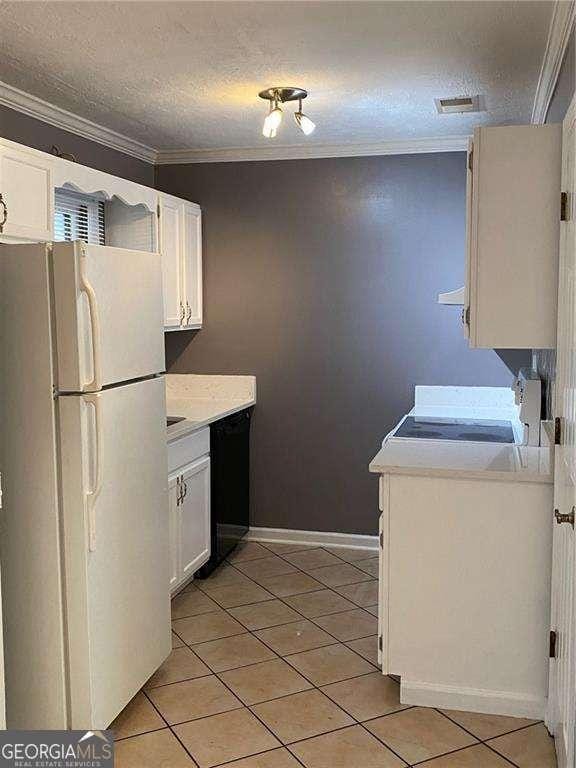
point(465, 592)
point(189, 505)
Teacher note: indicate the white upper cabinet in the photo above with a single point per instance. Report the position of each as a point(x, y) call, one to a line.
point(27, 204)
point(513, 225)
point(180, 230)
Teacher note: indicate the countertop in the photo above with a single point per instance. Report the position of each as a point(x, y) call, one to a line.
point(481, 461)
point(203, 399)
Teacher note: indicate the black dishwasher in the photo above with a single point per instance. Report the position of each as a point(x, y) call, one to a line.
point(229, 486)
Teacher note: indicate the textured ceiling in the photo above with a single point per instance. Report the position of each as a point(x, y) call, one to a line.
point(186, 74)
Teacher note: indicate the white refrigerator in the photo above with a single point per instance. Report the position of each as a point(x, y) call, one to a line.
point(84, 519)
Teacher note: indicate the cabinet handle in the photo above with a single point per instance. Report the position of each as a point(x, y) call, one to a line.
point(185, 492)
point(4, 213)
point(178, 491)
point(182, 313)
point(189, 313)
point(568, 518)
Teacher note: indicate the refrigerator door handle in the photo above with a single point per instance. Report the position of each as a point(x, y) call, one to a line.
point(87, 288)
point(92, 495)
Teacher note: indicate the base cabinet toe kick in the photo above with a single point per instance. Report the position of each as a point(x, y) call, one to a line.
point(464, 591)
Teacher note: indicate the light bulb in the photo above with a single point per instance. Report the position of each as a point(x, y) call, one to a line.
point(304, 123)
point(272, 122)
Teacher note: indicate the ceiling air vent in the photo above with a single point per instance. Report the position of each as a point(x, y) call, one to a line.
point(458, 104)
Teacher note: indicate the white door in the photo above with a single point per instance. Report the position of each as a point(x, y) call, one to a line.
point(27, 205)
point(195, 516)
point(115, 545)
point(171, 248)
point(174, 530)
point(192, 263)
point(561, 707)
point(108, 307)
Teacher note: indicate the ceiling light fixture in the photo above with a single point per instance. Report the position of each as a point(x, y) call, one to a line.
point(280, 95)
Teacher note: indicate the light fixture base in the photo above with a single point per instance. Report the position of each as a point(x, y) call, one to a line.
point(283, 94)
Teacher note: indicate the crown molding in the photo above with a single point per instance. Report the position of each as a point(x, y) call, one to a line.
point(311, 151)
point(561, 26)
point(61, 118)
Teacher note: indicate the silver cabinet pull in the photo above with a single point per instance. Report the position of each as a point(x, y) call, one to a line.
point(182, 313)
point(4, 208)
point(185, 493)
point(560, 518)
point(189, 313)
point(178, 499)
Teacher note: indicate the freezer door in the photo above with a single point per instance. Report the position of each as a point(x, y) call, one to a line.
point(109, 316)
point(115, 535)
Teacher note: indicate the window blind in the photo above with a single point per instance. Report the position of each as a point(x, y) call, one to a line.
point(78, 217)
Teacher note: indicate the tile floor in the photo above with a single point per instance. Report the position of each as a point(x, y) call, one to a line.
point(274, 665)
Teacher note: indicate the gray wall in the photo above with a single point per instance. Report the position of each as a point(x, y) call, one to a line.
point(35, 133)
point(321, 277)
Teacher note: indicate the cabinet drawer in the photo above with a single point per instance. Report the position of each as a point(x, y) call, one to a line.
point(188, 448)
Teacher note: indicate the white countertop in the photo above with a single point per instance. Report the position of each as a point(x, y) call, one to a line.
point(204, 399)
point(483, 461)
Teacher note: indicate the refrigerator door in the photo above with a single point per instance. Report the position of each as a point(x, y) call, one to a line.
point(115, 545)
point(109, 316)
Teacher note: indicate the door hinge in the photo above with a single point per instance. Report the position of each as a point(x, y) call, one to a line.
point(552, 647)
point(557, 430)
point(381, 539)
point(564, 212)
point(466, 316)
point(380, 643)
point(470, 160)
point(158, 210)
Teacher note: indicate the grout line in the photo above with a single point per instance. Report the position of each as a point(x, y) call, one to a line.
point(143, 733)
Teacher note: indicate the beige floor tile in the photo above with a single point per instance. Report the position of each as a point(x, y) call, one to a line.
point(349, 625)
point(248, 550)
point(191, 699)
point(471, 757)
point(233, 652)
point(208, 626)
point(244, 736)
point(487, 726)
point(264, 681)
point(366, 647)
point(265, 567)
point(301, 716)
point(223, 576)
point(192, 603)
point(262, 615)
point(319, 603)
point(296, 637)
point(240, 594)
point(337, 575)
point(330, 664)
point(366, 697)
point(182, 664)
point(139, 716)
point(284, 547)
point(290, 584)
point(348, 748)
point(419, 734)
point(176, 641)
point(530, 748)
point(160, 749)
point(313, 558)
point(351, 555)
point(277, 758)
point(371, 566)
point(364, 595)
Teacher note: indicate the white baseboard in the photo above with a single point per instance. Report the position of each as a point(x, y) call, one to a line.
point(318, 538)
point(472, 699)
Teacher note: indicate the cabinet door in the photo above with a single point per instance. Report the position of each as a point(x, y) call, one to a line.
point(171, 249)
point(195, 516)
point(192, 263)
point(174, 531)
point(27, 194)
